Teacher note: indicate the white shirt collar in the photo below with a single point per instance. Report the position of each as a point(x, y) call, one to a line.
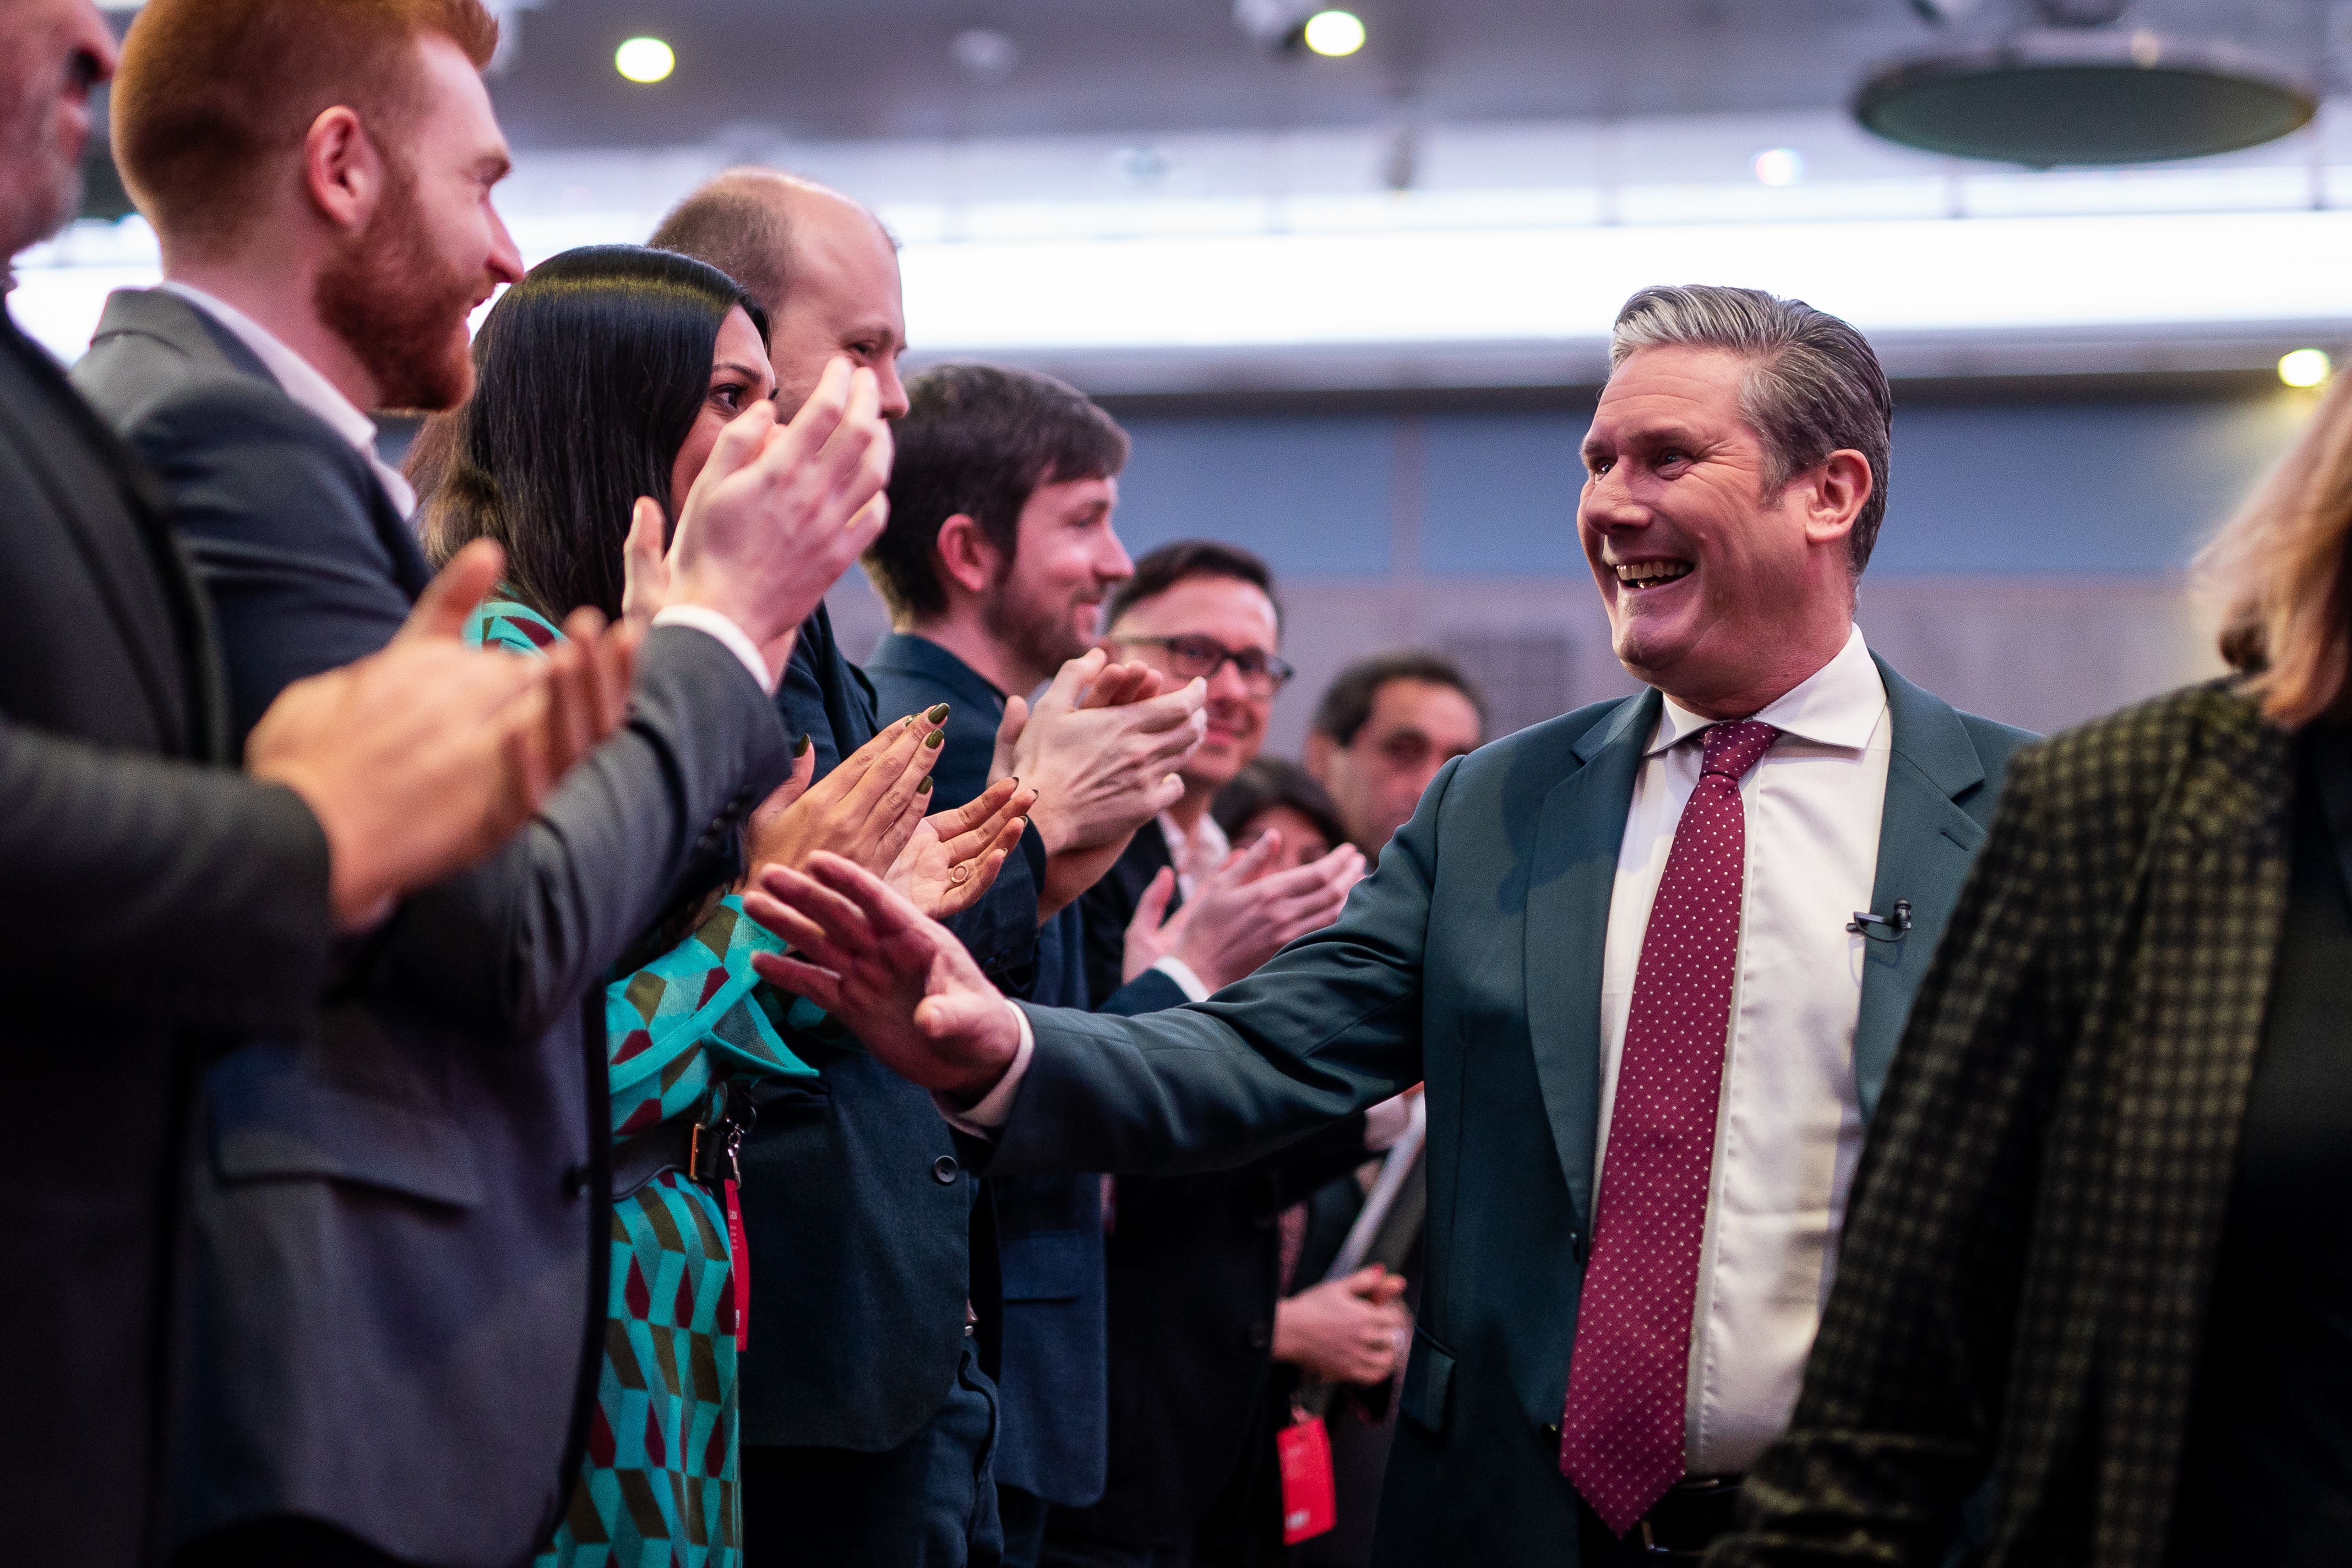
point(301, 381)
point(1837, 705)
point(1199, 852)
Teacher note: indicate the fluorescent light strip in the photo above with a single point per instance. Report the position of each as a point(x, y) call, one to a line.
point(2141, 273)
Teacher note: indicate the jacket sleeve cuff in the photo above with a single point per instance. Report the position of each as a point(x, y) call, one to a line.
point(1187, 980)
point(988, 1117)
point(732, 638)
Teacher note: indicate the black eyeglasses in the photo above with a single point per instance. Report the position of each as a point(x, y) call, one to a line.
point(1200, 658)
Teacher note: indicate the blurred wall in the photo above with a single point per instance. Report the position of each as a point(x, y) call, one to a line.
point(2030, 568)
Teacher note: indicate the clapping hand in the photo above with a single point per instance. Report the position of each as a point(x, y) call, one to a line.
point(896, 978)
point(954, 856)
point(1101, 748)
point(427, 757)
point(867, 809)
point(778, 514)
point(1239, 916)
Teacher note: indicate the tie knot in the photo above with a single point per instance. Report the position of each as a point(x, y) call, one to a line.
point(1732, 749)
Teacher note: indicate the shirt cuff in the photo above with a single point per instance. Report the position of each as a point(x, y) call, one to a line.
point(1186, 981)
point(988, 1117)
point(732, 638)
point(1385, 1123)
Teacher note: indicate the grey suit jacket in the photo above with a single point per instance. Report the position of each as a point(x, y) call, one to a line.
point(401, 1214)
point(157, 906)
point(1472, 959)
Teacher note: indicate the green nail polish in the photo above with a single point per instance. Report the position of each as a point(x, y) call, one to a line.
point(938, 715)
point(799, 747)
point(932, 740)
point(924, 788)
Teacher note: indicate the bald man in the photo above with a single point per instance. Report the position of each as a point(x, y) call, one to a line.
point(866, 1419)
point(868, 1423)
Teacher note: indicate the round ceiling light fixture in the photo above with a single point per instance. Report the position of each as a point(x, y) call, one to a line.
point(1333, 34)
point(2305, 367)
point(645, 60)
point(2052, 97)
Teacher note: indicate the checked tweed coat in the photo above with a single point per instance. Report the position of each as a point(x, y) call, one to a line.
point(2029, 1251)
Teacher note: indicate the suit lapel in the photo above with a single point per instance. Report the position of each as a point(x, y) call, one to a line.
point(1573, 874)
point(1926, 842)
point(161, 314)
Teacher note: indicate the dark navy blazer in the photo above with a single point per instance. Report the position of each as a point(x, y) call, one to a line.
point(857, 1211)
point(1052, 1397)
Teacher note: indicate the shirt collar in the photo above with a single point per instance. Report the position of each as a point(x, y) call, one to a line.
point(301, 381)
point(1838, 705)
point(911, 653)
point(1199, 852)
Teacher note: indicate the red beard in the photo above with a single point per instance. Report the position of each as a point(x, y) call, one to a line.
point(401, 309)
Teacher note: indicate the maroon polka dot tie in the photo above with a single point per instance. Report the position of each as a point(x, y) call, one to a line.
point(1621, 1435)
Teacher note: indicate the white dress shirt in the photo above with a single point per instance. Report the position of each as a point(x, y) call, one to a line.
point(1194, 856)
point(303, 381)
point(1790, 1124)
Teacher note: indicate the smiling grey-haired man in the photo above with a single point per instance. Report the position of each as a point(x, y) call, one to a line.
point(1651, 957)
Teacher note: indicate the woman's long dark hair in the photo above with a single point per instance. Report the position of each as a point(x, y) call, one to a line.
point(590, 375)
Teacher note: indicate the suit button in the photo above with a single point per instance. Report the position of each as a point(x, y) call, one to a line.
point(1261, 1335)
point(944, 1170)
point(576, 1181)
point(1552, 1431)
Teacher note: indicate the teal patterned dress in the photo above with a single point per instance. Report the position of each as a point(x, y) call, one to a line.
point(658, 1487)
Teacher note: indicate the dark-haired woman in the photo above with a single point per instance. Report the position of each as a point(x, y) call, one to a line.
point(605, 379)
point(1276, 794)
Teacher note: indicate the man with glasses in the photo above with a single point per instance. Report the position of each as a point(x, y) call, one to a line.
point(1197, 1263)
point(998, 559)
point(1195, 610)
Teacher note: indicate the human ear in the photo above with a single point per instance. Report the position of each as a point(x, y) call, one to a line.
point(342, 172)
point(966, 554)
point(1835, 494)
point(1320, 751)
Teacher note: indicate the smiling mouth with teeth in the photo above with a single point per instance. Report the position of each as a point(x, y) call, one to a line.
point(1649, 573)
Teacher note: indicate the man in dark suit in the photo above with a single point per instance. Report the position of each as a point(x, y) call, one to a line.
point(400, 1235)
point(1613, 1326)
point(1000, 551)
point(867, 1435)
point(161, 905)
point(1195, 1262)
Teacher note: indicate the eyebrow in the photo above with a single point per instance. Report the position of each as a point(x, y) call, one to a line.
point(745, 371)
point(1645, 435)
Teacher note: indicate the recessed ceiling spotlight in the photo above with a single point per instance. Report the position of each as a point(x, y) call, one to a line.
point(2303, 367)
point(644, 59)
point(1334, 33)
point(1778, 166)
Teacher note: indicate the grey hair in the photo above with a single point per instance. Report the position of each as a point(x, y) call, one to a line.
point(1814, 384)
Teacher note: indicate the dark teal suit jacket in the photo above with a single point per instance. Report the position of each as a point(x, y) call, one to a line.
point(1472, 959)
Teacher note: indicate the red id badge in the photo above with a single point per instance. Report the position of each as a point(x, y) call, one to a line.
point(1309, 1503)
point(742, 1272)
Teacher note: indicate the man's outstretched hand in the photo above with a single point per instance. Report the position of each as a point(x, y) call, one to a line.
point(896, 979)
